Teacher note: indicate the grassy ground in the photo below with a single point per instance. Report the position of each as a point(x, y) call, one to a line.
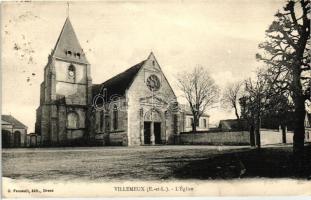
point(273, 162)
point(104, 163)
point(148, 163)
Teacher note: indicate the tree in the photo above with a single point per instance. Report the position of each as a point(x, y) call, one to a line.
point(287, 53)
point(277, 112)
point(254, 100)
point(200, 91)
point(231, 96)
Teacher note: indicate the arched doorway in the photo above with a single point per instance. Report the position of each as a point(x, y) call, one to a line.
point(17, 139)
point(5, 138)
point(152, 127)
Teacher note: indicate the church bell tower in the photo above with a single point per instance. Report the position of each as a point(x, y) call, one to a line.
point(65, 93)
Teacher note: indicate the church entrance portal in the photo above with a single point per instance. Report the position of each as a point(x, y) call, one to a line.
point(147, 132)
point(152, 127)
point(157, 132)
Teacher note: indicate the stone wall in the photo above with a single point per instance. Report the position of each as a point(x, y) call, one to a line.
point(216, 138)
point(268, 137)
point(118, 139)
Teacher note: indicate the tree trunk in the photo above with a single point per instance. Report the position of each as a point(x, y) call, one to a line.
point(257, 131)
point(236, 112)
point(283, 134)
point(251, 135)
point(299, 133)
point(194, 125)
point(299, 129)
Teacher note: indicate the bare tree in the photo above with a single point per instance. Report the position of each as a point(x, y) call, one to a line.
point(231, 96)
point(287, 53)
point(257, 95)
point(200, 91)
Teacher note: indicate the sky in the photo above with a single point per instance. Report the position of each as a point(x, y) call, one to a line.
point(222, 36)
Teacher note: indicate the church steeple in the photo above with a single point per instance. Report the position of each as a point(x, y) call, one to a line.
point(67, 46)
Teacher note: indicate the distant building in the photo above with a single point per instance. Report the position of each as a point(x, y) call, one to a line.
point(203, 124)
point(14, 132)
point(232, 125)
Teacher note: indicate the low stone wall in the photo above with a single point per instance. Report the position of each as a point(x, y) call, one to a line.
point(217, 138)
point(267, 137)
point(275, 137)
point(111, 139)
point(118, 139)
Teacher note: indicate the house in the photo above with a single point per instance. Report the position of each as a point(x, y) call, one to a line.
point(14, 132)
point(203, 124)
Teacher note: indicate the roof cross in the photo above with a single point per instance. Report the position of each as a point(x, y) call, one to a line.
point(67, 9)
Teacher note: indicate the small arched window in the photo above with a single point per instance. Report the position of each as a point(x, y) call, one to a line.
point(72, 120)
point(115, 117)
point(68, 53)
point(78, 55)
point(101, 120)
point(71, 72)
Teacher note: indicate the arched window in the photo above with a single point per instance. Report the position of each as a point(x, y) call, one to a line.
point(71, 72)
point(107, 123)
point(175, 124)
point(17, 139)
point(101, 120)
point(6, 135)
point(72, 120)
point(115, 117)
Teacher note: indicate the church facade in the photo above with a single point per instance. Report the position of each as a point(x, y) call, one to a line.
point(135, 107)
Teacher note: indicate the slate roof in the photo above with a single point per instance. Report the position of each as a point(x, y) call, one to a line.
point(230, 124)
point(188, 111)
point(118, 84)
point(4, 122)
point(68, 41)
point(10, 119)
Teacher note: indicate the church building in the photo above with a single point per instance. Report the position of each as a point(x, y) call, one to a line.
point(135, 107)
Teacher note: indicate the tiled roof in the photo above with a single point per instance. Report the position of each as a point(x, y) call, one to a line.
point(118, 84)
point(68, 41)
point(10, 119)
